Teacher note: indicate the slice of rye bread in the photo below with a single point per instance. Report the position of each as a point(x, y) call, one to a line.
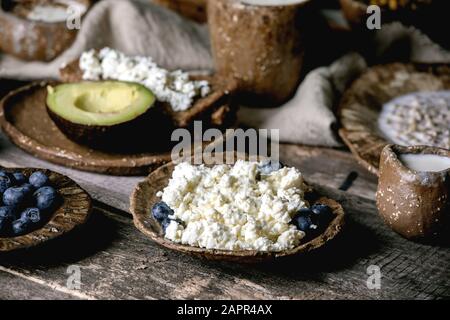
point(215, 110)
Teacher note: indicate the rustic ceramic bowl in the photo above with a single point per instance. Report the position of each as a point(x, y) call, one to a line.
point(144, 197)
point(33, 40)
point(362, 103)
point(414, 204)
point(74, 211)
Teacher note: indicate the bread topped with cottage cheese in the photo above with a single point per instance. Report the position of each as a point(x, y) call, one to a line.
point(182, 97)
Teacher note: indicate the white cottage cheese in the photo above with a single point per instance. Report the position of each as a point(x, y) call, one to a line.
point(234, 207)
point(174, 87)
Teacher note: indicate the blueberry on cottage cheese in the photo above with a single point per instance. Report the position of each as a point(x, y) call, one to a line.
point(14, 196)
point(165, 223)
point(46, 198)
point(38, 179)
point(161, 211)
point(31, 214)
point(20, 178)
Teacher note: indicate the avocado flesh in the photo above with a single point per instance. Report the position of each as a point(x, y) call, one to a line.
point(106, 103)
point(112, 116)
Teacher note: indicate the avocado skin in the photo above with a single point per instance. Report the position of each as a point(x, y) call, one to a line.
point(131, 136)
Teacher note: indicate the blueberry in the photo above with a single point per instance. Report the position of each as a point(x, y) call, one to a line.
point(161, 211)
point(20, 178)
point(4, 173)
point(304, 219)
point(46, 198)
point(28, 188)
point(302, 222)
point(10, 175)
point(321, 209)
point(5, 226)
point(304, 212)
point(31, 214)
point(322, 213)
point(7, 211)
point(269, 167)
point(38, 179)
point(20, 227)
point(165, 223)
point(7, 216)
point(15, 196)
point(5, 183)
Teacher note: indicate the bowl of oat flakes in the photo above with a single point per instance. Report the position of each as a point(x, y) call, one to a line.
point(404, 104)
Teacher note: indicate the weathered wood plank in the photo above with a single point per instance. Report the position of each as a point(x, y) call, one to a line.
point(19, 288)
point(119, 262)
point(329, 167)
point(323, 166)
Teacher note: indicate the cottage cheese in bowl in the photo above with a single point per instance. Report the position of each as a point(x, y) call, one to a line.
point(234, 207)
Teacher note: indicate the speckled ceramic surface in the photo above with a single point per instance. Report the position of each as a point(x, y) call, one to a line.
point(414, 204)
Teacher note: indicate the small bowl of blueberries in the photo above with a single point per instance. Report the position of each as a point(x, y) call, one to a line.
point(36, 205)
point(26, 202)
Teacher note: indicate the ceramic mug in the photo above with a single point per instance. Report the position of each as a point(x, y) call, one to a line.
point(415, 204)
point(260, 46)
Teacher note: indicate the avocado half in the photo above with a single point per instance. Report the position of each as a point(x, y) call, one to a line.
point(103, 114)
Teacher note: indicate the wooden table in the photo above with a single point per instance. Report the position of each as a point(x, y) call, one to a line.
point(118, 262)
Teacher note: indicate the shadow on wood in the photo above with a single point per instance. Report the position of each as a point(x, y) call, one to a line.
point(94, 236)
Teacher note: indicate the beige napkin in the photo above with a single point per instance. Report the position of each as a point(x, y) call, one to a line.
point(139, 27)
